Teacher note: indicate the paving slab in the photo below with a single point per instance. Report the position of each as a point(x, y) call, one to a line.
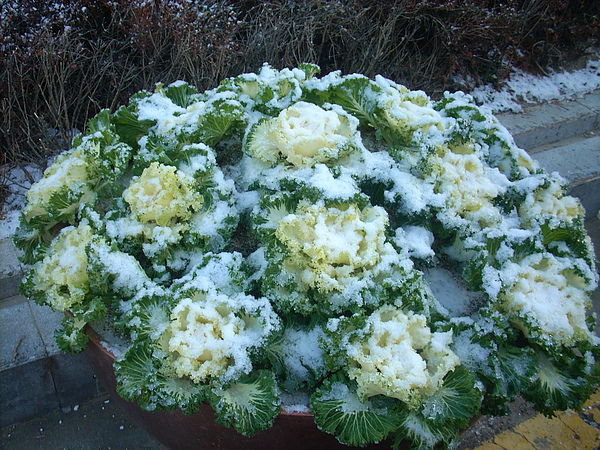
point(11, 269)
point(510, 439)
point(46, 321)
point(35, 376)
point(591, 101)
point(551, 122)
point(586, 434)
point(20, 341)
point(577, 160)
point(44, 385)
point(74, 379)
point(26, 331)
point(10, 258)
point(26, 391)
point(93, 425)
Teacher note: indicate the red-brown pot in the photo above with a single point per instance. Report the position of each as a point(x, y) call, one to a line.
point(200, 431)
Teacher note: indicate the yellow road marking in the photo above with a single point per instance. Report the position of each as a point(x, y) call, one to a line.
point(510, 439)
point(587, 436)
point(568, 430)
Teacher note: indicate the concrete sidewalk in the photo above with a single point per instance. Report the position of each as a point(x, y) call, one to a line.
point(95, 424)
point(40, 386)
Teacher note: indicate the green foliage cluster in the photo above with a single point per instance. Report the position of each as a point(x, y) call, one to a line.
point(280, 235)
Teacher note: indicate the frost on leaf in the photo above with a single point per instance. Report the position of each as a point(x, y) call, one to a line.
point(162, 194)
point(302, 135)
point(398, 356)
point(61, 278)
point(545, 299)
point(327, 246)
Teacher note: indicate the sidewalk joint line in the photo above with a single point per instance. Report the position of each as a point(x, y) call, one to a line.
point(37, 328)
point(575, 432)
point(493, 440)
point(522, 435)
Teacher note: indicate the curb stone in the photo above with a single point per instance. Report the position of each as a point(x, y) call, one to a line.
point(578, 161)
point(563, 138)
point(545, 123)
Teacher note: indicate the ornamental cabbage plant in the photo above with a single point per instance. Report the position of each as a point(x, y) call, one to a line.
point(341, 245)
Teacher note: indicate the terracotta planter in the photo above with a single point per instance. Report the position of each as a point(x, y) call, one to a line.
point(199, 431)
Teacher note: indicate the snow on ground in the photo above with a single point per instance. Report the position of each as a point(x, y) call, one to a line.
point(18, 181)
point(527, 88)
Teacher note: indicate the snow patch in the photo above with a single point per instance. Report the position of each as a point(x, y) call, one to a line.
point(18, 180)
point(451, 292)
point(524, 87)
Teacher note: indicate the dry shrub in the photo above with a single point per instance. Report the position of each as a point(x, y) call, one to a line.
point(60, 65)
point(62, 61)
point(423, 43)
